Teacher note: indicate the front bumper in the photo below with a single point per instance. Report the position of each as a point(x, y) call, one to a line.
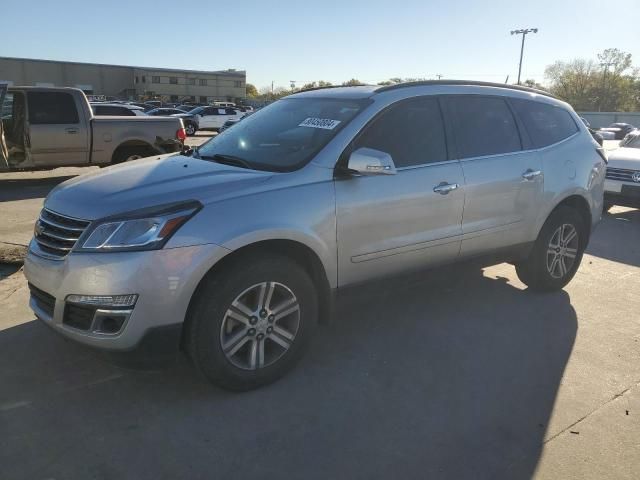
point(164, 280)
point(626, 194)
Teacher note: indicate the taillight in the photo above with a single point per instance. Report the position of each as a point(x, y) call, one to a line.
point(181, 135)
point(602, 154)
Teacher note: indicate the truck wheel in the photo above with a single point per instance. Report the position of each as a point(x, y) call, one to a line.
point(190, 129)
point(252, 322)
point(126, 154)
point(557, 252)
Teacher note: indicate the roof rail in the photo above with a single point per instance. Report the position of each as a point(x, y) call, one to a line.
point(326, 87)
point(463, 82)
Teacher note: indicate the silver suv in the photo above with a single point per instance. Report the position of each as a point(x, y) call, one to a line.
point(235, 251)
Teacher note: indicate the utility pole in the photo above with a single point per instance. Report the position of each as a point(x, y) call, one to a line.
point(439, 76)
point(523, 32)
point(606, 66)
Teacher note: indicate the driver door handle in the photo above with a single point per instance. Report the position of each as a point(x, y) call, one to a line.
point(444, 188)
point(71, 131)
point(531, 174)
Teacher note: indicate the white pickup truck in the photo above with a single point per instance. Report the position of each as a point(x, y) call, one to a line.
point(53, 127)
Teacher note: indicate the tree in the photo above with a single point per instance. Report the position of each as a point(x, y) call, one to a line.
point(252, 91)
point(533, 84)
point(352, 82)
point(607, 85)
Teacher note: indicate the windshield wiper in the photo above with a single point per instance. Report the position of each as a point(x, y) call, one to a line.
point(226, 160)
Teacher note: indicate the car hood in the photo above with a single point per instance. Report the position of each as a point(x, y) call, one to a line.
point(150, 182)
point(628, 158)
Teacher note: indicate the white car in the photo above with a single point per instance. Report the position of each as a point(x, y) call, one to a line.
point(214, 117)
point(622, 184)
point(117, 110)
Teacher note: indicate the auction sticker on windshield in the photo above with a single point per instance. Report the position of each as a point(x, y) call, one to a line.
point(324, 123)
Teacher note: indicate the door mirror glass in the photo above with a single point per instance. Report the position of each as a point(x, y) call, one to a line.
point(367, 161)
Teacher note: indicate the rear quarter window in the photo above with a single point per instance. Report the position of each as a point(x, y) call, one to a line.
point(546, 124)
point(46, 108)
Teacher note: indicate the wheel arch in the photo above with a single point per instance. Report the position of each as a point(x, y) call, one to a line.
point(302, 254)
point(134, 143)
point(581, 205)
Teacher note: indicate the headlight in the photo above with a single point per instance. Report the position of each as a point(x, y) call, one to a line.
point(147, 229)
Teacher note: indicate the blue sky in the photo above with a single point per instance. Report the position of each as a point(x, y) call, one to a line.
point(330, 40)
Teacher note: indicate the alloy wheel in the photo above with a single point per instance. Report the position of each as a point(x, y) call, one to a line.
point(260, 325)
point(562, 250)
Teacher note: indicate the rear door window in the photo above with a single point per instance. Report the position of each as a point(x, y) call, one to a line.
point(482, 126)
point(46, 108)
point(411, 131)
point(546, 124)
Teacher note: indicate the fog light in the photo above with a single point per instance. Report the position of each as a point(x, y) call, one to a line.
point(112, 301)
point(109, 321)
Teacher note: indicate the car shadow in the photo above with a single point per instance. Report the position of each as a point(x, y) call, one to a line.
point(617, 238)
point(447, 375)
point(28, 188)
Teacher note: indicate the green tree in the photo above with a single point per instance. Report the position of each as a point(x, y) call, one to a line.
point(252, 91)
point(352, 82)
point(610, 84)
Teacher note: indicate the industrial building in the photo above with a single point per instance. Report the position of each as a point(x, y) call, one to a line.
point(127, 82)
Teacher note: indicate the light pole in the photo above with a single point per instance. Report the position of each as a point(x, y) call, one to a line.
point(523, 32)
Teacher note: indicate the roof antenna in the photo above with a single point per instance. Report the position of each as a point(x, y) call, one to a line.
point(506, 80)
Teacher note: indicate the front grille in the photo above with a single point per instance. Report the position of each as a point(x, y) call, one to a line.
point(43, 300)
point(621, 174)
point(78, 316)
point(57, 234)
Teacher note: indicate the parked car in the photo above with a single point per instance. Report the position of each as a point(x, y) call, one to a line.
point(619, 130)
point(236, 251)
point(596, 136)
point(55, 127)
point(622, 186)
point(190, 121)
point(214, 117)
point(165, 111)
point(630, 137)
point(117, 109)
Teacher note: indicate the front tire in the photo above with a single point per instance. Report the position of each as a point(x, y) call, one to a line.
point(557, 252)
point(252, 322)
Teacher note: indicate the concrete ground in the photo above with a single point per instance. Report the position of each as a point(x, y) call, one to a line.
point(459, 373)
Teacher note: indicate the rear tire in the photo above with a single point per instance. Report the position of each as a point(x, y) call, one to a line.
point(190, 129)
point(557, 252)
point(127, 154)
point(239, 333)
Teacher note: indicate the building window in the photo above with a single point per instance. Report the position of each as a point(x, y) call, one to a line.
point(174, 98)
point(203, 99)
point(191, 81)
point(144, 79)
point(173, 80)
point(237, 83)
point(136, 79)
point(155, 79)
point(203, 82)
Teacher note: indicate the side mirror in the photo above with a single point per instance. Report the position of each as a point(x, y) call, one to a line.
point(367, 161)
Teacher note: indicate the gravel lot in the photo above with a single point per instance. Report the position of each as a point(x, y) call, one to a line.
point(458, 373)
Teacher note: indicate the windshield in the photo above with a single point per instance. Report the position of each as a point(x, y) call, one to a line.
point(632, 141)
point(285, 135)
point(196, 110)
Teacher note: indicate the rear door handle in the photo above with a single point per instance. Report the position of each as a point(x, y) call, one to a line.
point(71, 131)
point(444, 188)
point(531, 174)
